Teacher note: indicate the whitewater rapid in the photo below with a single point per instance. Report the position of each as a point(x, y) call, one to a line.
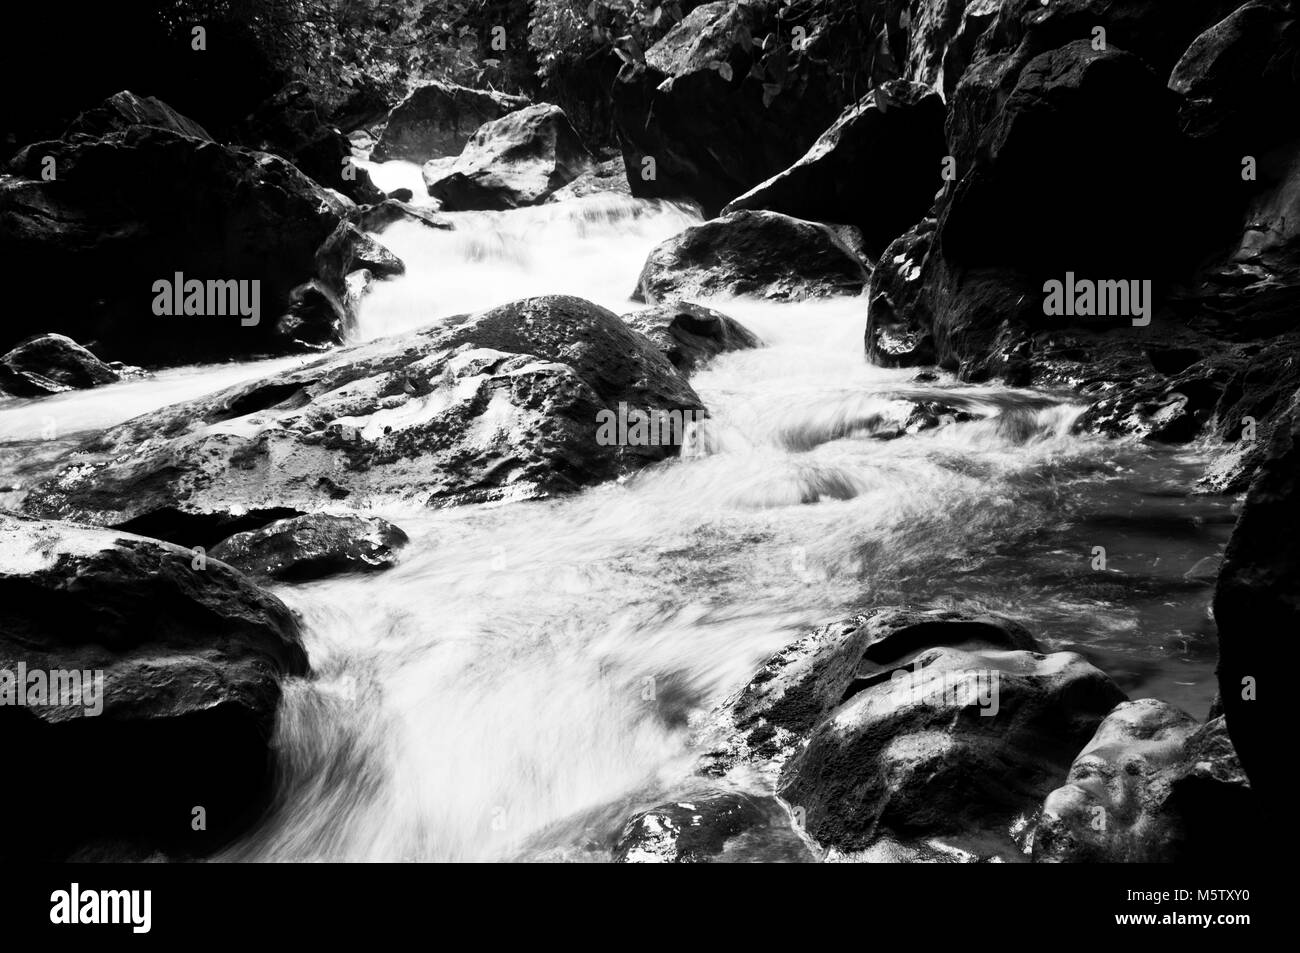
point(529, 674)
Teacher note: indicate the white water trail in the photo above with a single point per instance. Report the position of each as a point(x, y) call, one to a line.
point(524, 667)
point(527, 675)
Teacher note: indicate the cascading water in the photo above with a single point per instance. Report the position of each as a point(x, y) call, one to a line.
point(528, 675)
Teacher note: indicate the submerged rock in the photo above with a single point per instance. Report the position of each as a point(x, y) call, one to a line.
point(313, 546)
point(712, 826)
point(1153, 786)
point(761, 254)
point(169, 670)
point(377, 217)
point(438, 119)
point(518, 160)
point(690, 335)
point(51, 364)
point(506, 404)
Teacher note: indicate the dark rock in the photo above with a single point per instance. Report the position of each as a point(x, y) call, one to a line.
point(609, 177)
point(1257, 601)
point(970, 294)
point(504, 404)
point(1233, 82)
point(1153, 786)
point(904, 730)
point(690, 335)
point(291, 124)
point(51, 364)
point(191, 655)
point(716, 116)
point(511, 162)
point(375, 218)
point(877, 167)
point(136, 207)
point(761, 254)
point(366, 107)
point(709, 827)
point(123, 110)
point(942, 37)
point(401, 195)
point(438, 120)
point(313, 546)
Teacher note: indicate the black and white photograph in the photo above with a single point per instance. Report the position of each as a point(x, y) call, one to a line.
point(626, 432)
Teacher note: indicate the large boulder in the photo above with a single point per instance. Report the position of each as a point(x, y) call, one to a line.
point(904, 731)
point(506, 404)
point(313, 546)
point(1228, 80)
point(51, 364)
point(1258, 600)
point(125, 109)
point(290, 124)
point(877, 167)
point(690, 335)
point(518, 160)
point(726, 100)
point(1153, 785)
point(969, 293)
point(1238, 96)
point(151, 669)
point(761, 254)
point(438, 119)
point(124, 212)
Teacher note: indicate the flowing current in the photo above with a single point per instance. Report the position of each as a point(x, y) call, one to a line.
point(530, 674)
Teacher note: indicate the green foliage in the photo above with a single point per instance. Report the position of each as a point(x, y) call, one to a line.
point(568, 33)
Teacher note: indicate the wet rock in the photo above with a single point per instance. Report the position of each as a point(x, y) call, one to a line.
point(141, 206)
point(969, 294)
point(289, 124)
point(609, 177)
point(915, 728)
point(511, 162)
point(438, 119)
point(505, 404)
point(313, 546)
point(712, 827)
point(761, 254)
point(375, 218)
point(51, 364)
point(1152, 786)
point(1257, 599)
point(189, 654)
point(125, 109)
point(690, 335)
point(877, 167)
point(712, 115)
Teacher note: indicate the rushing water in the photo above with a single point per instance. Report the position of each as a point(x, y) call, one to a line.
point(529, 673)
